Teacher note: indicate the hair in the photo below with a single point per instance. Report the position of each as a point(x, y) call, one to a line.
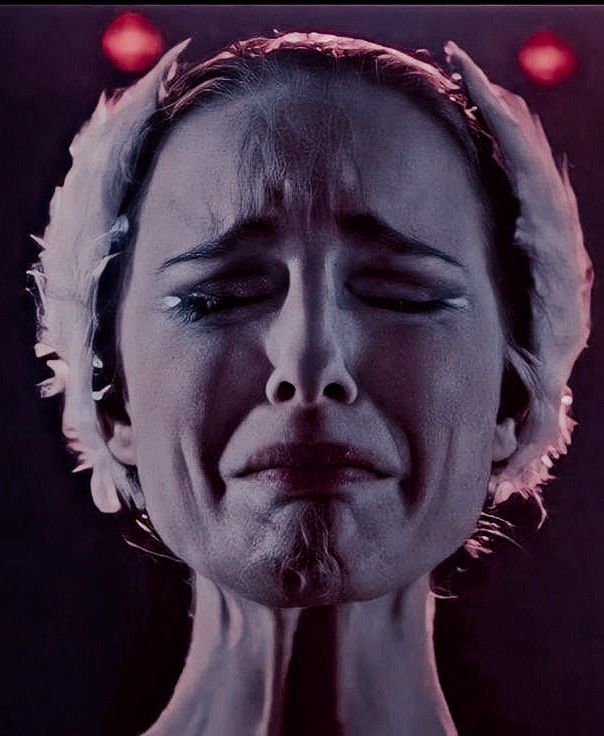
point(87, 245)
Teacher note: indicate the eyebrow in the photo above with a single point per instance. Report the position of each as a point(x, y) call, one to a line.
point(243, 230)
point(364, 226)
point(369, 228)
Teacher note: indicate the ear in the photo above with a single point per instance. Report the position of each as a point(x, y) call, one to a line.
point(505, 442)
point(513, 407)
point(120, 441)
point(117, 468)
point(113, 413)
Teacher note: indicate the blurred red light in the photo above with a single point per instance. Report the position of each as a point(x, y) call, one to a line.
point(132, 42)
point(546, 58)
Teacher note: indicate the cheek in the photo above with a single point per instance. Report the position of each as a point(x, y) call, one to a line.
point(188, 392)
point(439, 391)
point(435, 374)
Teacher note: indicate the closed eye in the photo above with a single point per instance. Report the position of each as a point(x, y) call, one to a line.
point(416, 306)
point(196, 305)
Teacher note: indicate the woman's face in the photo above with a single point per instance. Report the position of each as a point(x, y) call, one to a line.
point(311, 344)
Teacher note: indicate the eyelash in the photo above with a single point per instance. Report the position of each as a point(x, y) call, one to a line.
point(196, 306)
point(412, 306)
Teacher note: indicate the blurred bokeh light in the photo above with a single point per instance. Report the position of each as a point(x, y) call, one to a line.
point(546, 58)
point(132, 43)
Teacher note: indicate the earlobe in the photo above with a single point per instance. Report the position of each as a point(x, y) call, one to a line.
point(104, 492)
point(121, 443)
point(505, 442)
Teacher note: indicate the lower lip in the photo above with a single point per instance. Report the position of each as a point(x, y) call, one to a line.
point(318, 479)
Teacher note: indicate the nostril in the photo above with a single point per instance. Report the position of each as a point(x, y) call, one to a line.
point(285, 391)
point(335, 391)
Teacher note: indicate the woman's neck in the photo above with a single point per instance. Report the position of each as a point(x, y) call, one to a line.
point(355, 668)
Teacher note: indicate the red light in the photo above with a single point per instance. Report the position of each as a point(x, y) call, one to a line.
point(546, 58)
point(132, 43)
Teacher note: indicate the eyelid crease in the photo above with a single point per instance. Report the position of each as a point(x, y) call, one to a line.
point(381, 279)
point(406, 289)
point(371, 229)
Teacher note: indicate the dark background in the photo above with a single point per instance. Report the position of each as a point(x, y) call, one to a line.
point(92, 631)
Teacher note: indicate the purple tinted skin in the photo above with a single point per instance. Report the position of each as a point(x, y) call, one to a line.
point(350, 303)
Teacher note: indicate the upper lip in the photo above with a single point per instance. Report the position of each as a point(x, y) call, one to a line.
point(317, 454)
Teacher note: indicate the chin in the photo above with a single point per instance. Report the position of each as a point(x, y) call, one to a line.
point(309, 555)
point(309, 583)
point(303, 584)
point(295, 566)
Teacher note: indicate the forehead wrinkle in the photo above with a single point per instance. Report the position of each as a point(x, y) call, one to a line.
point(213, 220)
point(296, 159)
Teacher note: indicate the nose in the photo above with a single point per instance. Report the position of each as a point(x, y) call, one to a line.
point(305, 347)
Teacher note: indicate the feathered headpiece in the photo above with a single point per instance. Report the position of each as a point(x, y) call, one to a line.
point(76, 248)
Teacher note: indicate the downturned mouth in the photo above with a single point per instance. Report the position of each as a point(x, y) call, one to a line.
point(323, 458)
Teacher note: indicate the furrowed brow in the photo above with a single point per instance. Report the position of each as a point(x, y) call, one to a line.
point(242, 231)
point(369, 228)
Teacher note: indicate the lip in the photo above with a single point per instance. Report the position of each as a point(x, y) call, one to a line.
point(320, 466)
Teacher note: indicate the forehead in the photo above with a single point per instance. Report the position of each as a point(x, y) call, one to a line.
point(305, 151)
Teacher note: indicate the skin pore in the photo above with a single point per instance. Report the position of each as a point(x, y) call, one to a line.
point(308, 270)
